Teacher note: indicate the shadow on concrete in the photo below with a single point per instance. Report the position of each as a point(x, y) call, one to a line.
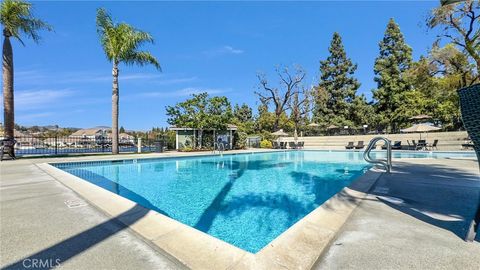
point(81, 242)
point(438, 195)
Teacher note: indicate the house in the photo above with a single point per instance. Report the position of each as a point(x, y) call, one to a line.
point(124, 138)
point(96, 135)
point(24, 141)
point(185, 137)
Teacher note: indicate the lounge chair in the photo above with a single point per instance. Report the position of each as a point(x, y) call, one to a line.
point(301, 144)
point(467, 146)
point(360, 145)
point(283, 145)
point(276, 145)
point(292, 145)
point(349, 145)
point(433, 145)
point(7, 147)
point(397, 145)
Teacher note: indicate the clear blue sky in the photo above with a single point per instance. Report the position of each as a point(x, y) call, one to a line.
point(216, 47)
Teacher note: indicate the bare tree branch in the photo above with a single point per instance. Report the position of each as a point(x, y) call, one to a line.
point(282, 95)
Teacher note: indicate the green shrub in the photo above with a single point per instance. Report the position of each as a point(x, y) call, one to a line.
point(266, 144)
point(186, 149)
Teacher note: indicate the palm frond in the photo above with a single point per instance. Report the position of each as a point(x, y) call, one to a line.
point(17, 19)
point(106, 31)
point(142, 59)
point(122, 41)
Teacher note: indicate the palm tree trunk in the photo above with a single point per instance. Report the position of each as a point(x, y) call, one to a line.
point(115, 98)
point(8, 109)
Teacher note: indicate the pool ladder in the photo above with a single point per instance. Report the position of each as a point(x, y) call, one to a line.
point(385, 163)
point(218, 148)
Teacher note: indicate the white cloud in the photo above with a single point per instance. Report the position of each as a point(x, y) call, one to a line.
point(41, 77)
point(33, 99)
point(222, 51)
point(230, 49)
point(33, 116)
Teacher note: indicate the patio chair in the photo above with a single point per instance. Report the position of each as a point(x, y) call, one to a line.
point(349, 145)
point(409, 146)
point(360, 145)
point(292, 145)
point(470, 108)
point(8, 147)
point(413, 146)
point(422, 145)
point(301, 144)
point(433, 145)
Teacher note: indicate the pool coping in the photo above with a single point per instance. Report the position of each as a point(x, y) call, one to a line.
point(300, 246)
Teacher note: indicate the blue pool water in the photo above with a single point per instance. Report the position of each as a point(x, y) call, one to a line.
point(246, 200)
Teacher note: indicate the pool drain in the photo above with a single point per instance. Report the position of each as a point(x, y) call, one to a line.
point(75, 203)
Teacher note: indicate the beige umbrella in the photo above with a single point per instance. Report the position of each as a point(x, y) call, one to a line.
point(420, 128)
point(313, 125)
point(329, 128)
point(295, 135)
point(332, 127)
point(280, 133)
point(420, 117)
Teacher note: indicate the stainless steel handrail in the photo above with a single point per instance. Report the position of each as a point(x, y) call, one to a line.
point(386, 163)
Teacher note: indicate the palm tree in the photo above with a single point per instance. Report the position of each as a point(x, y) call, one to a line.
point(17, 19)
point(120, 42)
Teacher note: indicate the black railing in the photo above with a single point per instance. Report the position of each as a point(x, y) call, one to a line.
point(53, 146)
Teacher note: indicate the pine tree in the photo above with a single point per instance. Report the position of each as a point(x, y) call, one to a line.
point(336, 79)
point(394, 59)
point(362, 113)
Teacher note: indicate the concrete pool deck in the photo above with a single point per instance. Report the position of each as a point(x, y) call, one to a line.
point(41, 217)
point(414, 218)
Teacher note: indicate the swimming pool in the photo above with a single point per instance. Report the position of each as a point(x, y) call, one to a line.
point(246, 200)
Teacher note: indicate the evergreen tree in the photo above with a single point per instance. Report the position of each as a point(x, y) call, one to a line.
point(243, 113)
point(394, 59)
point(362, 113)
point(338, 83)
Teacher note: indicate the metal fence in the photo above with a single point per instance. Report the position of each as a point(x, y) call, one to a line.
point(52, 146)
